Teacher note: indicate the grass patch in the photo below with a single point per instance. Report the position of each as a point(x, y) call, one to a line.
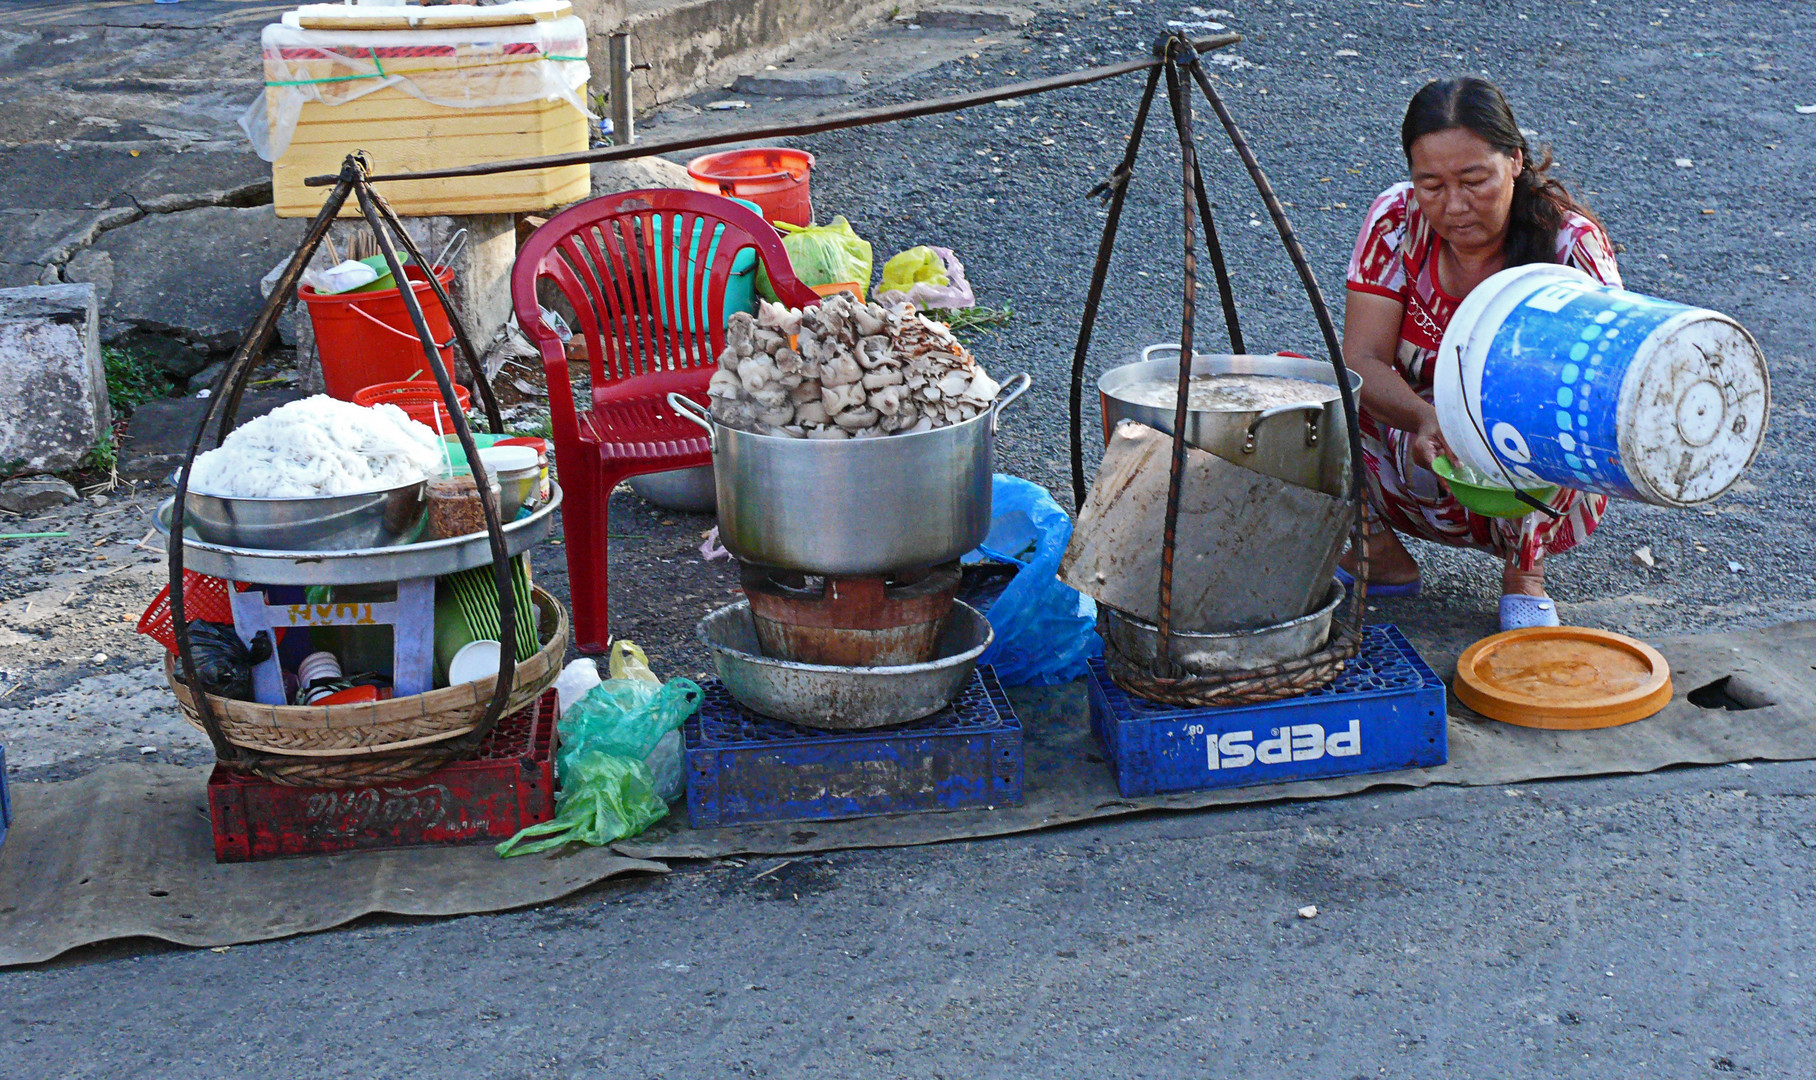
point(132, 379)
point(972, 319)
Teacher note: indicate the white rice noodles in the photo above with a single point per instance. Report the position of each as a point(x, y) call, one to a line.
point(319, 446)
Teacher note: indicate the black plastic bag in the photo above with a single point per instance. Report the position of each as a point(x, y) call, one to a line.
point(224, 662)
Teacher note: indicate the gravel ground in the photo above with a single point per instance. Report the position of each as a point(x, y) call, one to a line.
point(1636, 926)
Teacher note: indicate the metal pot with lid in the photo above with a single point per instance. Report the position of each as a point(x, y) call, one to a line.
point(1299, 441)
point(854, 506)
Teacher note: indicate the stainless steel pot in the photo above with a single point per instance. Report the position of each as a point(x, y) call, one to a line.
point(1300, 444)
point(854, 506)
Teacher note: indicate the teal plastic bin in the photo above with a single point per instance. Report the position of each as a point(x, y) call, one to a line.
point(740, 291)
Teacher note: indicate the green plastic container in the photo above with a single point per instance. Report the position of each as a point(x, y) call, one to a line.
point(740, 291)
point(1498, 502)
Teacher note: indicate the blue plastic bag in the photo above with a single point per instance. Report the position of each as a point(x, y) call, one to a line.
point(1045, 630)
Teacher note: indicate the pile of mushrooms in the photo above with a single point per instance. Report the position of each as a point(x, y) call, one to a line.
point(844, 369)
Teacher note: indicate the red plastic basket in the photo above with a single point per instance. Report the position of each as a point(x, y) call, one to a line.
point(420, 400)
point(507, 785)
point(204, 598)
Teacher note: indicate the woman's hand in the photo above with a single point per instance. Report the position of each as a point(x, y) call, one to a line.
point(1427, 442)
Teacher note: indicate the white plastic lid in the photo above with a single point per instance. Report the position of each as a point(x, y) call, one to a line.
point(475, 660)
point(504, 459)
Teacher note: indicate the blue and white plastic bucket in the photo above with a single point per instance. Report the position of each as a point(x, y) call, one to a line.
point(1545, 375)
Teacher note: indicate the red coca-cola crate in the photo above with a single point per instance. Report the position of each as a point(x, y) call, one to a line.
point(507, 785)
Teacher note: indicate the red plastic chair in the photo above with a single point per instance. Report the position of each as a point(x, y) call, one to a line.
point(629, 264)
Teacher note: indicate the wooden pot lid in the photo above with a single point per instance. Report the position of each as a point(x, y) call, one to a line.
point(1563, 678)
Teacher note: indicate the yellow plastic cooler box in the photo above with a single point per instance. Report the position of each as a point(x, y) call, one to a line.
point(424, 88)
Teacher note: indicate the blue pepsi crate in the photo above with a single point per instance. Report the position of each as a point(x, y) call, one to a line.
point(6, 800)
point(1385, 712)
point(743, 767)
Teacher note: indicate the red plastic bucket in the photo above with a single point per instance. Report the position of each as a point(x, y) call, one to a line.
point(420, 401)
point(773, 177)
point(367, 338)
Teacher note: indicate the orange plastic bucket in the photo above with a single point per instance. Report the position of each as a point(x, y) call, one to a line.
point(367, 338)
point(420, 401)
point(774, 177)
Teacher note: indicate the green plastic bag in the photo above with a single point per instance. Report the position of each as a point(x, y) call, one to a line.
point(607, 792)
point(626, 717)
point(603, 798)
point(822, 255)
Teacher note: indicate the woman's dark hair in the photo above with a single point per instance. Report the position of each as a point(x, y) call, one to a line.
point(1539, 202)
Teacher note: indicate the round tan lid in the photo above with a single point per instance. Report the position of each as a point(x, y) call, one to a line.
point(1563, 678)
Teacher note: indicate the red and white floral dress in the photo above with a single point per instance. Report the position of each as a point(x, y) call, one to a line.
point(1397, 256)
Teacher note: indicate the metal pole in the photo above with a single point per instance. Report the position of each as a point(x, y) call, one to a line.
point(796, 129)
point(618, 60)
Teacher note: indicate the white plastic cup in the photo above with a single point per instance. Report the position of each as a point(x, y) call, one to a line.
point(318, 665)
point(475, 660)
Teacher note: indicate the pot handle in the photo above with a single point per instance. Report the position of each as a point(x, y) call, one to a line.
point(1314, 413)
point(1010, 390)
point(1148, 352)
point(689, 409)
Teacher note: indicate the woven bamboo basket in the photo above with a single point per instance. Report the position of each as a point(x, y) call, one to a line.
point(329, 736)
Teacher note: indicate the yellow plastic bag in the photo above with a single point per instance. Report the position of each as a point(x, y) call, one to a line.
point(909, 268)
point(927, 277)
point(823, 255)
point(629, 661)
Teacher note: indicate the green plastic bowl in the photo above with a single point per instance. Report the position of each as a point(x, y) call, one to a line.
point(385, 280)
point(1498, 502)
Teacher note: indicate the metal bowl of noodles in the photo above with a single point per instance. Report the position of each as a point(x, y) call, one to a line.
point(317, 523)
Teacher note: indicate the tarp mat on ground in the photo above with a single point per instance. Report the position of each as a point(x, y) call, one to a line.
point(127, 851)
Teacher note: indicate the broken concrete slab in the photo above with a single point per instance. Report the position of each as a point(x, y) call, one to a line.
point(193, 275)
point(799, 82)
point(972, 17)
point(53, 392)
point(25, 235)
point(31, 494)
point(88, 178)
point(157, 437)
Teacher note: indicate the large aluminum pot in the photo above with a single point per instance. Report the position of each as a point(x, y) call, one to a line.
point(1300, 444)
point(854, 506)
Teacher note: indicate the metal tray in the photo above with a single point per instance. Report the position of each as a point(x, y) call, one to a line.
point(434, 558)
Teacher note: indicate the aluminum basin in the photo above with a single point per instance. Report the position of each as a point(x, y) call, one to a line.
point(842, 698)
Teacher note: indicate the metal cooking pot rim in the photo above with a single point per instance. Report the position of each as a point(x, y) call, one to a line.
point(940, 664)
point(897, 437)
point(997, 405)
point(1316, 371)
point(1332, 598)
point(307, 498)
